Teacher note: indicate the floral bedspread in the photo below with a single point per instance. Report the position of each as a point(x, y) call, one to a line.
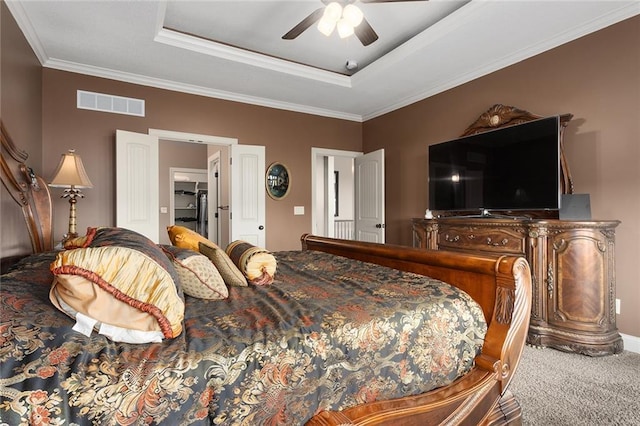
point(329, 333)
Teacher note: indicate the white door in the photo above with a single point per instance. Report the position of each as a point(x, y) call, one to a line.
point(137, 204)
point(213, 183)
point(330, 193)
point(369, 197)
point(248, 194)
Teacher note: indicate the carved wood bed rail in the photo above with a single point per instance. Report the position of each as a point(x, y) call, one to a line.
point(502, 286)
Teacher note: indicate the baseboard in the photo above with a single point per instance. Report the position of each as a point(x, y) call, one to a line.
point(631, 343)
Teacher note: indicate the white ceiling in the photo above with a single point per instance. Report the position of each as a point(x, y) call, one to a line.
point(233, 49)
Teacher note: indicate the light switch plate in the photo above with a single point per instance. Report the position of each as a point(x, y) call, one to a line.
point(298, 210)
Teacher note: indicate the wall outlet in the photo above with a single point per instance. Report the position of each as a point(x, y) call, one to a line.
point(298, 210)
point(164, 210)
point(617, 306)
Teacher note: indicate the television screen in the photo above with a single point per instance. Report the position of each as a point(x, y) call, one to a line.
point(511, 168)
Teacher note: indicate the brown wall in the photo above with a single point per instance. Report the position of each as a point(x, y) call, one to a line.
point(287, 136)
point(597, 79)
point(21, 113)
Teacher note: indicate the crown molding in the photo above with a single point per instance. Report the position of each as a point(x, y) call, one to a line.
point(193, 89)
point(211, 48)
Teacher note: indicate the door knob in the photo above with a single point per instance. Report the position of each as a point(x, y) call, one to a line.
point(379, 225)
point(261, 227)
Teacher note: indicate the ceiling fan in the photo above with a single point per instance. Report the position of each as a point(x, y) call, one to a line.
point(343, 15)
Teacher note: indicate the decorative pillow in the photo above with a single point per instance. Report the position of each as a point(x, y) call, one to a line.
point(119, 283)
point(198, 276)
point(183, 237)
point(257, 264)
point(229, 271)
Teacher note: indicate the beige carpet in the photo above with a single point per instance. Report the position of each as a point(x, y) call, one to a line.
point(556, 388)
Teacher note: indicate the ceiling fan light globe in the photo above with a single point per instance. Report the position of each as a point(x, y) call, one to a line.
point(345, 29)
point(326, 26)
point(352, 14)
point(332, 12)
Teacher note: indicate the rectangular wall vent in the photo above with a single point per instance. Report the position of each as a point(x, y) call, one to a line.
point(110, 103)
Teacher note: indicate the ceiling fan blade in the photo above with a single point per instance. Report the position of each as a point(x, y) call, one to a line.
point(304, 24)
point(365, 33)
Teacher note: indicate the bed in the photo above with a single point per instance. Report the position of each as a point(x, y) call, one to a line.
point(348, 333)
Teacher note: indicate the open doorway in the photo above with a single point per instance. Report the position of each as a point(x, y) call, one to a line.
point(188, 202)
point(359, 179)
point(137, 187)
point(212, 154)
point(175, 155)
point(332, 183)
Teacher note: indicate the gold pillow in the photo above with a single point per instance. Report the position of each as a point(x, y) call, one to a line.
point(183, 237)
point(229, 271)
point(257, 264)
point(119, 283)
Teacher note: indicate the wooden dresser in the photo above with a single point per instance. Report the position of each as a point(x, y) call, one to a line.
point(573, 273)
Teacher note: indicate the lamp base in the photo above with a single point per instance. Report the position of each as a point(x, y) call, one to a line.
point(72, 194)
point(67, 237)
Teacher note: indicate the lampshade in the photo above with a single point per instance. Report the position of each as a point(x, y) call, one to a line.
point(352, 14)
point(344, 28)
point(333, 11)
point(326, 26)
point(70, 172)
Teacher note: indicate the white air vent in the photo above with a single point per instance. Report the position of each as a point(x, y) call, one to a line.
point(110, 103)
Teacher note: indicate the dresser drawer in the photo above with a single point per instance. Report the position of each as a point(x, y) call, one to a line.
point(490, 239)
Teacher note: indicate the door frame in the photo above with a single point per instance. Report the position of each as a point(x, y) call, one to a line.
point(316, 155)
point(197, 138)
point(192, 137)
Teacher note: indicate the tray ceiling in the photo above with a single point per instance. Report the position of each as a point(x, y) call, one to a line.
point(234, 49)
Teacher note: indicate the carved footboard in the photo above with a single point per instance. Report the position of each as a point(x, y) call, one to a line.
point(502, 287)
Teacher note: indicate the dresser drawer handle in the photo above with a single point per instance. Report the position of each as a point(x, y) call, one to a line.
point(450, 239)
point(502, 242)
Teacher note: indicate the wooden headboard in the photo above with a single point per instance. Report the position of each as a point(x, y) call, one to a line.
point(28, 190)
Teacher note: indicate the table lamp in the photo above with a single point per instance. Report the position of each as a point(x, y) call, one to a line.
point(71, 175)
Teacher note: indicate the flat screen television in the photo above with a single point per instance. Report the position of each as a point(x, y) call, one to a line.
point(513, 168)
